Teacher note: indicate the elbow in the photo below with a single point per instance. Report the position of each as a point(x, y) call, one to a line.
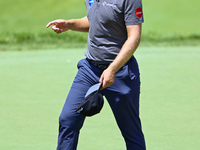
point(139, 39)
point(135, 39)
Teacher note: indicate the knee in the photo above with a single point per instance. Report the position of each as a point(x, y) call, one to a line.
point(63, 119)
point(66, 119)
point(73, 121)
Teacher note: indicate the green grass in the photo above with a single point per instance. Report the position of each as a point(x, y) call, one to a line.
point(35, 83)
point(32, 16)
point(28, 41)
point(171, 16)
point(23, 23)
point(163, 17)
point(70, 39)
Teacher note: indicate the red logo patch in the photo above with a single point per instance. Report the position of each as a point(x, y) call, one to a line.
point(138, 12)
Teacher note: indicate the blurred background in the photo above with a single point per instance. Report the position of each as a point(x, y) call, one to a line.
point(37, 67)
point(23, 22)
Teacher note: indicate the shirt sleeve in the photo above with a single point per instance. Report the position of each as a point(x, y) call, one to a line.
point(133, 13)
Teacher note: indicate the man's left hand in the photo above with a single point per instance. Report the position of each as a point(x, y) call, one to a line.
point(107, 77)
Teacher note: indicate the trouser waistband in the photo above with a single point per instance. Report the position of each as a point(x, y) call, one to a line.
point(100, 65)
point(103, 65)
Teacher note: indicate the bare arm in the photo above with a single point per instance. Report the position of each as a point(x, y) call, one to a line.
point(129, 47)
point(62, 25)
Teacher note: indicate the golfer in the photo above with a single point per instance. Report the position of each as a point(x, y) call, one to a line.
point(114, 28)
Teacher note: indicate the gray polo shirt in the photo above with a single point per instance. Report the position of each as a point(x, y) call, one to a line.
point(108, 20)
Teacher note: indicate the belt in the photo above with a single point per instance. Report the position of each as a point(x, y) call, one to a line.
point(100, 65)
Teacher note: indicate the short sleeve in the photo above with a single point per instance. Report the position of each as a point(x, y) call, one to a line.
point(133, 12)
point(86, 4)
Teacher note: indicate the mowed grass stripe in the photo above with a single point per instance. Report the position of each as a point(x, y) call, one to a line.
point(34, 85)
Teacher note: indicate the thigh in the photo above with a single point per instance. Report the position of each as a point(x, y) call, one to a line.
point(69, 116)
point(123, 98)
point(126, 89)
point(84, 79)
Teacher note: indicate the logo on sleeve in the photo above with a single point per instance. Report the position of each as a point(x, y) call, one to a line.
point(91, 2)
point(138, 12)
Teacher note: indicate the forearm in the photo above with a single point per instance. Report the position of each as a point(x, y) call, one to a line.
point(127, 50)
point(129, 47)
point(81, 25)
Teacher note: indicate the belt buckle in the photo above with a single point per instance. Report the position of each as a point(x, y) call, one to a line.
point(99, 65)
point(102, 66)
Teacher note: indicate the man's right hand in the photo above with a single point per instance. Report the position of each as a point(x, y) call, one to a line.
point(59, 25)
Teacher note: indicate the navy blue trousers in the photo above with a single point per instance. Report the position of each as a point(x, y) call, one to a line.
point(122, 96)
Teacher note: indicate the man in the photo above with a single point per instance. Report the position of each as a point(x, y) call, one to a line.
point(114, 34)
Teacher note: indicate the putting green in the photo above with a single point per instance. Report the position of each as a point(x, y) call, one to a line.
point(34, 85)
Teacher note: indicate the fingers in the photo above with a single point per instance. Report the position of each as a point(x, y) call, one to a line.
point(51, 23)
point(106, 79)
point(55, 22)
point(57, 29)
point(101, 82)
point(58, 26)
point(104, 85)
point(101, 79)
